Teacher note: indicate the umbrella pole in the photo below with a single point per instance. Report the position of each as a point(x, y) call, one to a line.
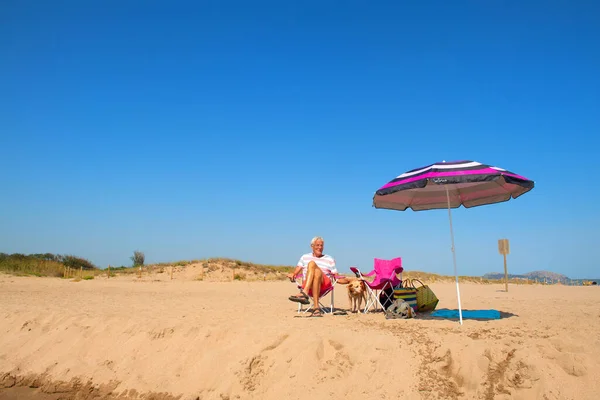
point(454, 257)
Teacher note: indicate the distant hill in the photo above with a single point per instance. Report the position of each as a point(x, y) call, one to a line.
point(546, 274)
point(535, 276)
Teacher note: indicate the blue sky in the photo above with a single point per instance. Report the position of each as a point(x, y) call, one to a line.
point(242, 129)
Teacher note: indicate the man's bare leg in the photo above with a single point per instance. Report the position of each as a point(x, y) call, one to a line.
point(314, 278)
point(310, 273)
point(316, 287)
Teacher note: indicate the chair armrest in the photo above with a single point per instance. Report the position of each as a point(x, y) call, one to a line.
point(298, 280)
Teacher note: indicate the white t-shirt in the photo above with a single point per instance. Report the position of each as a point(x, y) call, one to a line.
point(325, 263)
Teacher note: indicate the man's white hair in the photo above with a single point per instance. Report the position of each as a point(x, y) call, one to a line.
point(315, 239)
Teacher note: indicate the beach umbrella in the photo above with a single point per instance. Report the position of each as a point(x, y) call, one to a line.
point(451, 185)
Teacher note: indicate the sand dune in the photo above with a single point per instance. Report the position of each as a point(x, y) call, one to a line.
point(188, 339)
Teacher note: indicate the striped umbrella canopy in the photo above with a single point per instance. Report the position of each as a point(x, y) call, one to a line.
point(450, 185)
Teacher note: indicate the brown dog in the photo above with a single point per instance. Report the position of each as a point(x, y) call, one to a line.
point(356, 294)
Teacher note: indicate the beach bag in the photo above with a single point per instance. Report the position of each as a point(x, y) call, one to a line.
point(407, 292)
point(400, 309)
point(426, 299)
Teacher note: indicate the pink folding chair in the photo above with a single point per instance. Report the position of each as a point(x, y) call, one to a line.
point(385, 277)
point(324, 309)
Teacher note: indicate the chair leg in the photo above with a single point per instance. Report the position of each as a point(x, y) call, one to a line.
point(389, 297)
point(332, 307)
point(324, 309)
point(308, 308)
point(371, 300)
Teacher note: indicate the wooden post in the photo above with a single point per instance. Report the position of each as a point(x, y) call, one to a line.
point(108, 276)
point(140, 272)
point(171, 272)
point(65, 272)
point(504, 249)
point(80, 272)
point(505, 274)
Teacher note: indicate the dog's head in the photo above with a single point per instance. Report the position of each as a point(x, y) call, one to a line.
point(356, 288)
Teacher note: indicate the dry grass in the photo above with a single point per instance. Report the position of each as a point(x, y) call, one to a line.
point(427, 277)
point(229, 269)
point(32, 267)
point(226, 267)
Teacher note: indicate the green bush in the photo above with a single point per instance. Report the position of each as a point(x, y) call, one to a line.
point(138, 258)
point(76, 262)
point(21, 264)
point(181, 263)
point(239, 277)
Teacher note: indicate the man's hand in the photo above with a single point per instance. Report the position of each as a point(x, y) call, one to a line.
point(292, 277)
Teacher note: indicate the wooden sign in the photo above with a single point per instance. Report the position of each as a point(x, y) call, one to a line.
point(503, 246)
point(504, 249)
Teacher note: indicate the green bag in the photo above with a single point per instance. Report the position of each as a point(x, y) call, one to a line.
point(407, 292)
point(426, 299)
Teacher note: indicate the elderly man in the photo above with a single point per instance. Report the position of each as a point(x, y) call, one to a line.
point(316, 268)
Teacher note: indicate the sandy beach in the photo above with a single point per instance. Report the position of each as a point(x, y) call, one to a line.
point(156, 338)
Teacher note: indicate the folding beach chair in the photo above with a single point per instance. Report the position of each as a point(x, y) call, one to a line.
point(385, 279)
point(324, 309)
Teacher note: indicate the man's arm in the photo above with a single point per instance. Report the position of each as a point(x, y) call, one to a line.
point(333, 269)
point(293, 275)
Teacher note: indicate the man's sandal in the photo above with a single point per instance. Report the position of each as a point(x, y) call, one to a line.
point(317, 313)
point(300, 298)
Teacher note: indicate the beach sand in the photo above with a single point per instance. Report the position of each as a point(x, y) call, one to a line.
point(156, 338)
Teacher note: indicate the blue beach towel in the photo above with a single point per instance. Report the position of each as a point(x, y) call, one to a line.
point(466, 314)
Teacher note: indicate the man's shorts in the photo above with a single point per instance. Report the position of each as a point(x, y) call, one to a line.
point(325, 286)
